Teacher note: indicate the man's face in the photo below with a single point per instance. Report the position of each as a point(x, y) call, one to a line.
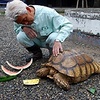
point(26, 19)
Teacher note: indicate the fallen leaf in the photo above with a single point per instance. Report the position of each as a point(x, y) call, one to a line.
point(92, 90)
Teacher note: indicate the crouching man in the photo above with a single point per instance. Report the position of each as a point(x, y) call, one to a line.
point(38, 27)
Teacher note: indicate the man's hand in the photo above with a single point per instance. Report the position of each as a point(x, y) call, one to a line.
point(29, 32)
point(57, 48)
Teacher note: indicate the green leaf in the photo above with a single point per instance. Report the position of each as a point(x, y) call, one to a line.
point(92, 90)
point(7, 78)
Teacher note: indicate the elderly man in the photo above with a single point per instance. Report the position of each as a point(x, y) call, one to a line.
point(38, 27)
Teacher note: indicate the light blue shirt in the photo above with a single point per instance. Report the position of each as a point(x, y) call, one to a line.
point(47, 21)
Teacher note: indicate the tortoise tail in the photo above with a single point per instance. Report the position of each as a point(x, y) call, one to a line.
point(96, 67)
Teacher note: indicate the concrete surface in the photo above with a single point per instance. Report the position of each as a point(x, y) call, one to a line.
point(86, 20)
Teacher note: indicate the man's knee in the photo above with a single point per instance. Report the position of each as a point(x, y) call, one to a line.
point(24, 40)
point(21, 37)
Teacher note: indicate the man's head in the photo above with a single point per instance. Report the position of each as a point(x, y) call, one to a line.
point(15, 8)
point(19, 12)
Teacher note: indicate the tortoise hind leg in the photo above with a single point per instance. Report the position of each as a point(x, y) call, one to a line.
point(61, 81)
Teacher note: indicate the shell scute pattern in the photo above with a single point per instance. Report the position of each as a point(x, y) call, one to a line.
point(73, 64)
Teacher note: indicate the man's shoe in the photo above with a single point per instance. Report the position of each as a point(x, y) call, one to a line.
point(36, 53)
point(34, 57)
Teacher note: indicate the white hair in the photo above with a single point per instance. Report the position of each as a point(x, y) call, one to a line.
point(15, 8)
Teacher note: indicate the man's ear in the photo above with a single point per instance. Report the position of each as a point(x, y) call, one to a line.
point(28, 9)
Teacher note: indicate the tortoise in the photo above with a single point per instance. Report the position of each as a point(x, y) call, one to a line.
point(69, 67)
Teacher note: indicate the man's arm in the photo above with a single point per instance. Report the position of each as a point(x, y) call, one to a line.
point(64, 28)
point(28, 31)
point(17, 28)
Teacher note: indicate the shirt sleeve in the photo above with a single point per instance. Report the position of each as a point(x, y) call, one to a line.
point(62, 24)
point(17, 28)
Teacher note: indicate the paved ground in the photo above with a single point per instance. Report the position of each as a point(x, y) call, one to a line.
point(12, 51)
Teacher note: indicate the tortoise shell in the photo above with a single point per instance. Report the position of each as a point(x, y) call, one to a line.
point(72, 63)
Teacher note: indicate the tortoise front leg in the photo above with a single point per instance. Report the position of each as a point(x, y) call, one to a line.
point(42, 72)
point(61, 80)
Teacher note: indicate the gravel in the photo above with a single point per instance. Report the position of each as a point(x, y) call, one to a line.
point(12, 51)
